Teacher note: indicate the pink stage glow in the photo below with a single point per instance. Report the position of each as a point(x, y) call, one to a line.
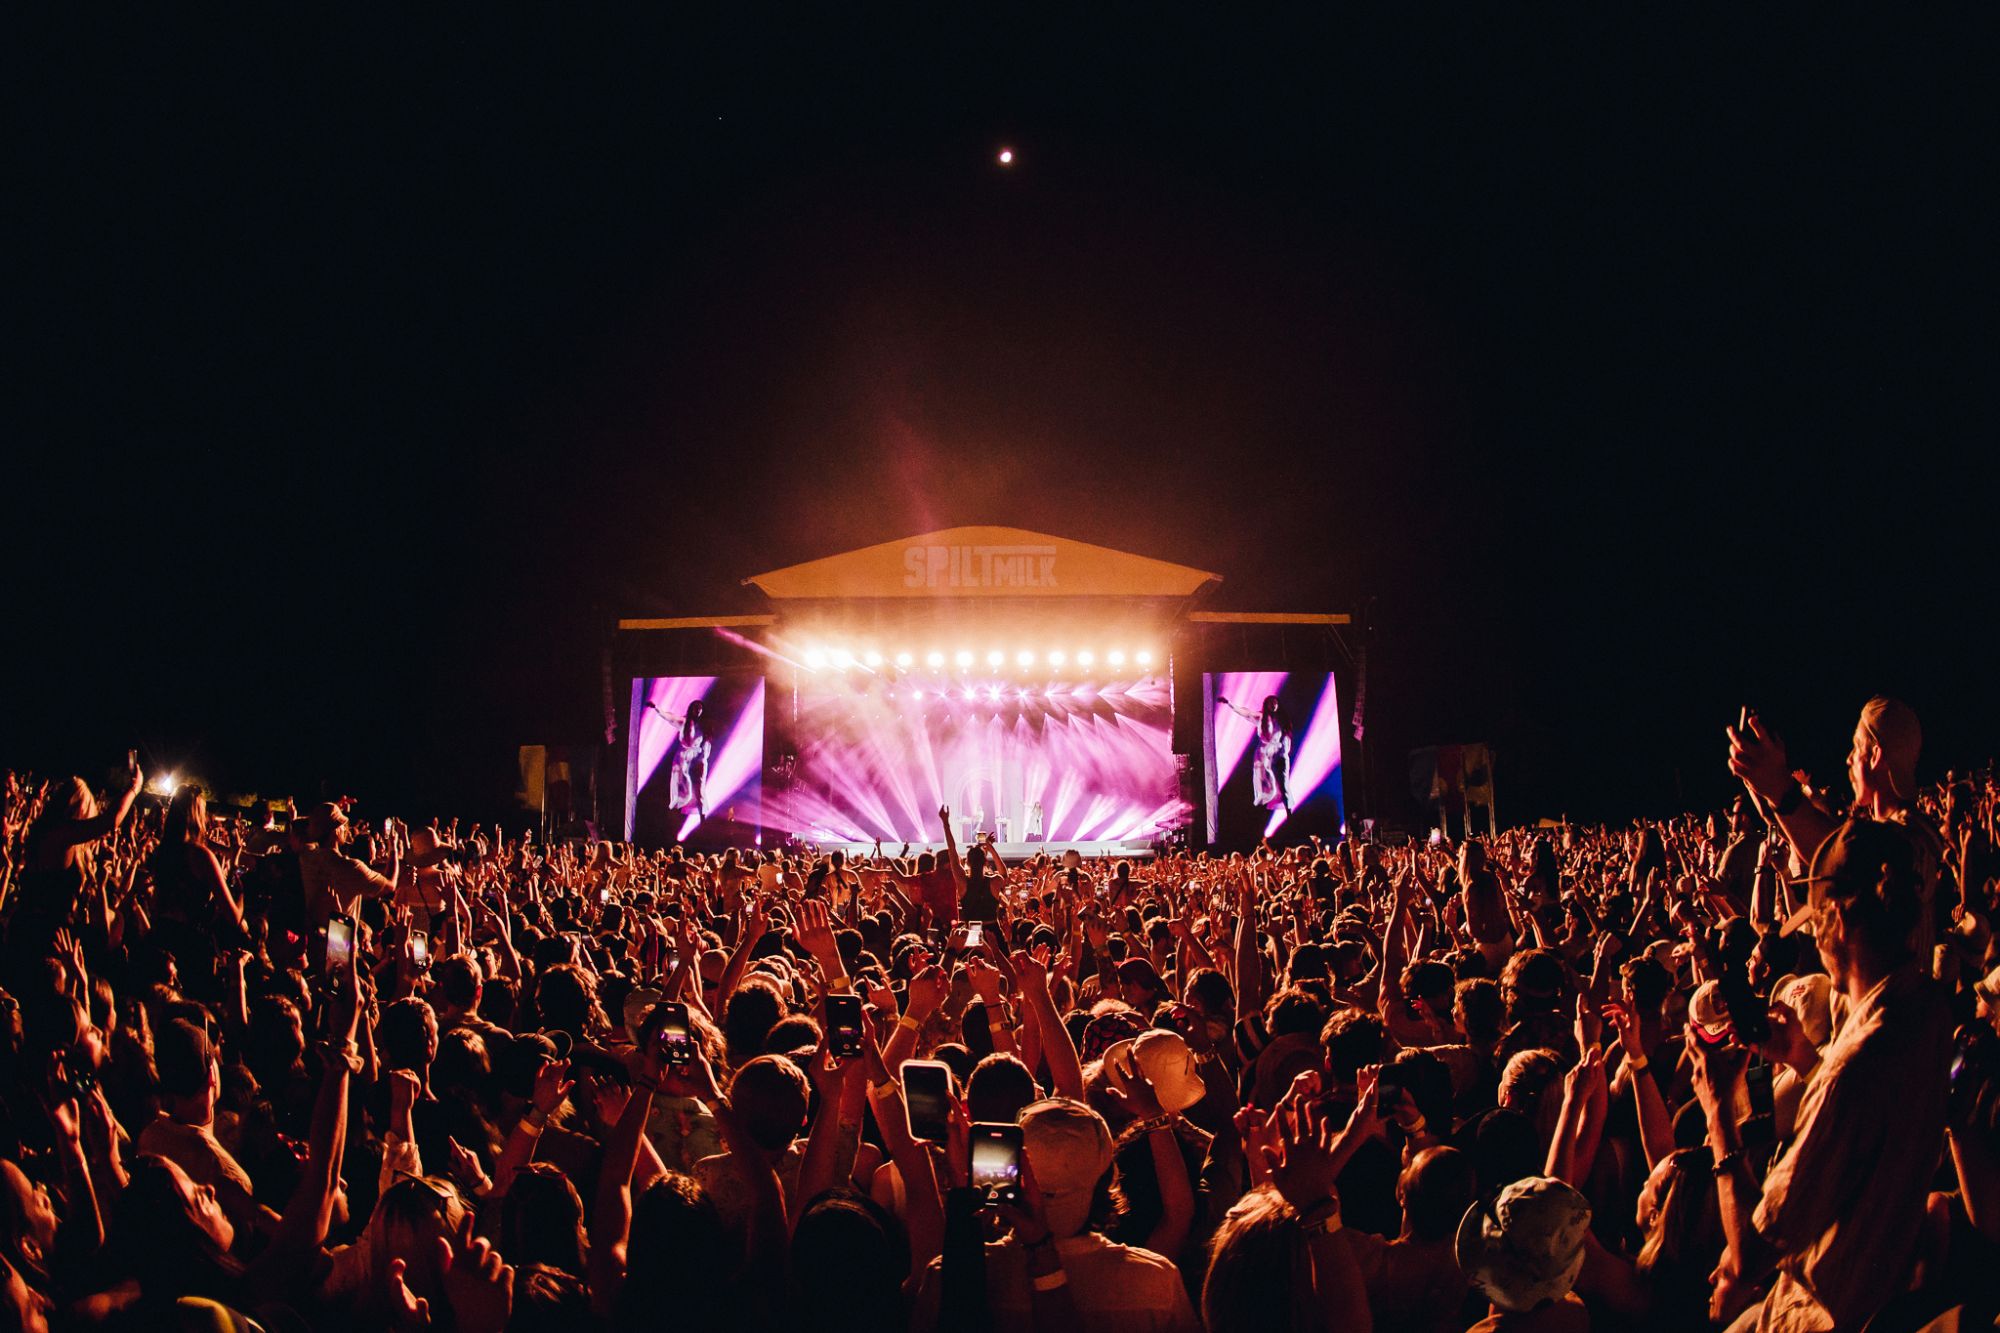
point(1316, 757)
point(1245, 689)
point(877, 758)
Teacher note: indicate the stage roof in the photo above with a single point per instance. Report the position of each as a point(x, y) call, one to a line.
point(982, 562)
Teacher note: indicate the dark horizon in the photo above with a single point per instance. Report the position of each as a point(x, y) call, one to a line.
point(1631, 370)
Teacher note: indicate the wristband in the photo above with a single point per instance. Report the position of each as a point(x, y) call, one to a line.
point(1790, 801)
point(839, 983)
point(909, 1022)
point(1727, 1160)
point(537, 1118)
point(1416, 1128)
point(877, 1089)
point(1638, 1066)
point(1051, 1281)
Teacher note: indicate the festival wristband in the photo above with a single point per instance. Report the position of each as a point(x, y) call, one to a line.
point(1051, 1281)
point(909, 1022)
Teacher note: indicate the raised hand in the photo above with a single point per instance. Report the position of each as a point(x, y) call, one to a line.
point(1625, 1024)
point(552, 1085)
point(1758, 758)
point(467, 1169)
point(1134, 1091)
point(1303, 1166)
point(478, 1284)
point(927, 992)
point(815, 928)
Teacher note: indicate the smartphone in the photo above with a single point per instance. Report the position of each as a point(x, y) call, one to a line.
point(927, 1099)
point(996, 1161)
point(676, 1038)
point(420, 948)
point(339, 945)
point(975, 934)
point(843, 1025)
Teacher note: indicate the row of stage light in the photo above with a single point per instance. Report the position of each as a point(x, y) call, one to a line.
point(846, 659)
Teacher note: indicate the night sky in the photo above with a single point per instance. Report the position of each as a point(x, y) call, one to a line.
point(1636, 366)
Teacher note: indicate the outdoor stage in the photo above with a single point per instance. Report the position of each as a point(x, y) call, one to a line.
point(1050, 693)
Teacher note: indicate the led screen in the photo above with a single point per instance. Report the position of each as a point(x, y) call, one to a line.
point(1273, 754)
point(695, 758)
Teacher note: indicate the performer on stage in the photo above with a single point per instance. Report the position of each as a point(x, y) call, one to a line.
point(1271, 766)
point(688, 777)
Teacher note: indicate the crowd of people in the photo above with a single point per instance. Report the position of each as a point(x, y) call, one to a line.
point(1736, 1069)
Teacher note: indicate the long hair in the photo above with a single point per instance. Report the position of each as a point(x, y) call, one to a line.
point(187, 818)
point(1258, 1269)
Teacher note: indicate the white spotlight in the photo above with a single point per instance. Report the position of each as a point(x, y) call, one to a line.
point(936, 658)
point(905, 660)
point(874, 659)
point(995, 658)
point(993, 691)
point(1024, 658)
point(1085, 658)
point(1116, 657)
point(1143, 658)
point(964, 658)
point(1056, 657)
point(842, 659)
point(815, 658)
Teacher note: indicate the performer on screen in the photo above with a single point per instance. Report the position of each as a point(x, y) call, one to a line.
point(1271, 766)
point(688, 777)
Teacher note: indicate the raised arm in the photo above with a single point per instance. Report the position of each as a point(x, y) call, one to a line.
point(1065, 1068)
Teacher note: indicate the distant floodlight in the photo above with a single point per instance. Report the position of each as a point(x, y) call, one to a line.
point(873, 659)
point(905, 660)
point(993, 691)
point(916, 694)
point(815, 658)
point(1143, 658)
point(1085, 658)
point(936, 658)
point(1006, 157)
point(1024, 658)
point(964, 657)
point(1116, 657)
point(1056, 657)
point(995, 658)
point(166, 784)
point(842, 659)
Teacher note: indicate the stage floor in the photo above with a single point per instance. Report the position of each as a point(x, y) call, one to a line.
point(1136, 849)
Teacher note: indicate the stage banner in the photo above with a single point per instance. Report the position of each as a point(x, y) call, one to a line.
point(983, 562)
point(1478, 761)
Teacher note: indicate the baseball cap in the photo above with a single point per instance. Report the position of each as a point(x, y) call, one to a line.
point(1810, 996)
point(1707, 1012)
point(1163, 1060)
point(1524, 1247)
point(1068, 1145)
point(1850, 864)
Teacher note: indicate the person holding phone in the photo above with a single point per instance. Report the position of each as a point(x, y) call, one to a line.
point(1837, 1219)
point(333, 877)
point(1054, 1268)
